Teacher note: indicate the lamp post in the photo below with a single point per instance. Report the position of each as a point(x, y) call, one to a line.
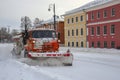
point(49, 9)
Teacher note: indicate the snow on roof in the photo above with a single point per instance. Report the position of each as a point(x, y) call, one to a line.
point(52, 20)
point(33, 29)
point(88, 5)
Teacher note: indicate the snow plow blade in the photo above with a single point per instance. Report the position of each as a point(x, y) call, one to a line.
point(51, 59)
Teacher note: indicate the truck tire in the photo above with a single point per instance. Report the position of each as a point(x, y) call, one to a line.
point(25, 53)
point(69, 64)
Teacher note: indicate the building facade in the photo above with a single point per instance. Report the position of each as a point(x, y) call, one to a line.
point(75, 29)
point(103, 25)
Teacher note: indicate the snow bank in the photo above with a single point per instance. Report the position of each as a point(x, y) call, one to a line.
point(14, 70)
point(42, 62)
point(5, 51)
point(92, 50)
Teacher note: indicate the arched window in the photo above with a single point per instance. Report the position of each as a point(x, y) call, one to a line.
point(98, 44)
point(92, 45)
point(68, 44)
point(82, 44)
point(76, 32)
point(76, 44)
point(81, 31)
point(72, 44)
point(68, 33)
point(72, 32)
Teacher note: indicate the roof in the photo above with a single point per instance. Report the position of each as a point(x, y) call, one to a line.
point(87, 6)
point(52, 20)
point(34, 29)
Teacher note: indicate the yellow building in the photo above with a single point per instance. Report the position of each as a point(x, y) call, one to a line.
point(75, 29)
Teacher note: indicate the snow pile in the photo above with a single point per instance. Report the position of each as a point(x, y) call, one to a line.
point(14, 70)
point(92, 50)
point(42, 61)
point(5, 51)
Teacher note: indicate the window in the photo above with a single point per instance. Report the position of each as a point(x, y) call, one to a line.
point(105, 44)
point(43, 34)
point(81, 18)
point(82, 31)
point(112, 29)
point(113, 12)
point(81, 44)
point(105, 13)
point(98, 14)
point(92, 31)
point(98, 30)
point(72, 20)
point(113, 44)
point(72, 32)
point(105, 29)
point(98, 44)
point(68, 44)
point(76, 19)
point(58, 35)
point(68, 33)
point(68, 21)
point(76, 32)
point(76, 44)
point(72, 44)
point(92, 16)
point(92, 44)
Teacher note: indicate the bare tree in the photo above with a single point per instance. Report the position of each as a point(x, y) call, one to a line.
point(14, 32)
point(36, 21)
point(5, 36)
point(25, 23)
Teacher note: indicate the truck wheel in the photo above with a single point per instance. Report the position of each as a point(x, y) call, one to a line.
point(69, 64)
point(25, 53)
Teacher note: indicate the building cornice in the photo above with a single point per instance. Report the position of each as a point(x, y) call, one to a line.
point(103, 22)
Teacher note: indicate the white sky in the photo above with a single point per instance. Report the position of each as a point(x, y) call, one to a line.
point(11, 11)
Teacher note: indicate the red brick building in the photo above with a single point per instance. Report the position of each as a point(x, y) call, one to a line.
point(103, 25)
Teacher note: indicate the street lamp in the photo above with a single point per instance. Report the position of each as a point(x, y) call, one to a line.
point(49, 9)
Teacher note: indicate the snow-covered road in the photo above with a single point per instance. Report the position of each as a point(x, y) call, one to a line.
point(88, 64)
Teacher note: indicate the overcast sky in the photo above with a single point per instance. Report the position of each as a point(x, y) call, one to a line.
point(11, 11)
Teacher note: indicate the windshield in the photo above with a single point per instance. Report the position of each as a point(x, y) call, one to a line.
point(43, 34)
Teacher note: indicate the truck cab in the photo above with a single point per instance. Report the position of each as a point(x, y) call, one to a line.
point(42, 40)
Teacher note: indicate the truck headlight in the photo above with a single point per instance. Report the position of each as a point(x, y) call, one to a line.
point(59, 41)
point(33, 41)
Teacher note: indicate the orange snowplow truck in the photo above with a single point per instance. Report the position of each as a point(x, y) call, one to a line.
point(43, 43)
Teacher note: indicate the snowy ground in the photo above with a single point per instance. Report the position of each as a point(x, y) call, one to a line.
point(88, 64)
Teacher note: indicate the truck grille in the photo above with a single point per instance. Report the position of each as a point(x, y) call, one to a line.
point(38, 44)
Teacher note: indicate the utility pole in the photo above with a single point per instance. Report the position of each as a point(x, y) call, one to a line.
point(49, 9)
